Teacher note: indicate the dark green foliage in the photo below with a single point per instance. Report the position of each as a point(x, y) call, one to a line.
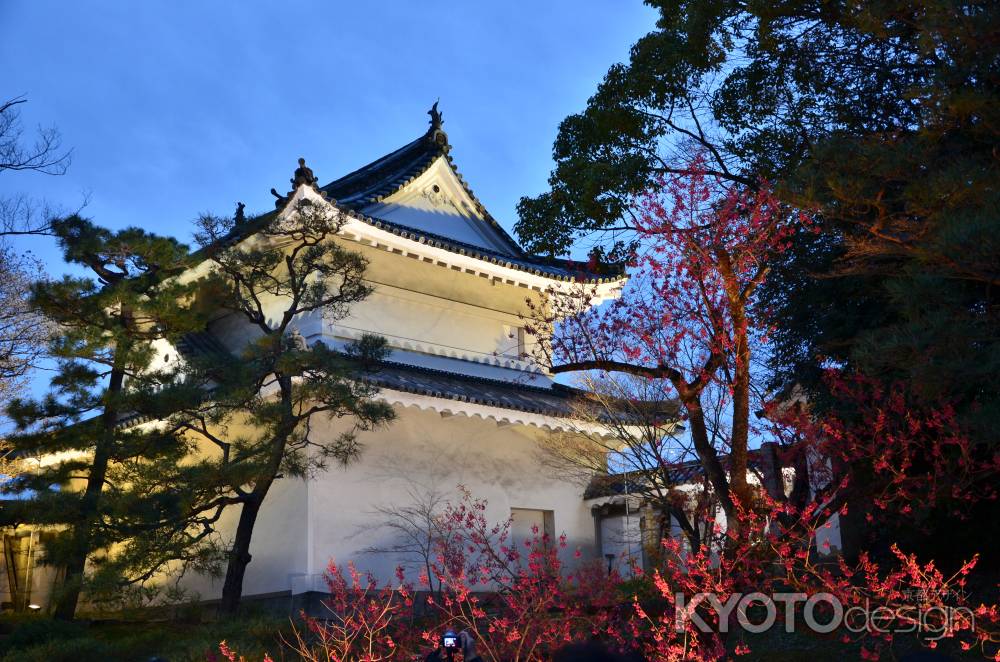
point(106, 490)
point(155, 491)
point(760, 88)
point(36, 630)
point(881, 119)
point(912, 219)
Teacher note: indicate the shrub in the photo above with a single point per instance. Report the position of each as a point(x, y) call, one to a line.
point(38, 630)
point(74, 649)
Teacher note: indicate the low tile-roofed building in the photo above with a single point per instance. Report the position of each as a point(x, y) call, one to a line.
point(619, 484)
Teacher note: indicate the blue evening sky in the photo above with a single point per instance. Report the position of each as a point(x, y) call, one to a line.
point(177, 108)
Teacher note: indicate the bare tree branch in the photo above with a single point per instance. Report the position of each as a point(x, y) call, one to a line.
point(44, 155)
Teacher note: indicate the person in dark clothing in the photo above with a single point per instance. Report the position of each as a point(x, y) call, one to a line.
point(466, 643)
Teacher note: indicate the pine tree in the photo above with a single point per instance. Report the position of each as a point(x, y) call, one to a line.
point(109, 327)
point(260, 421)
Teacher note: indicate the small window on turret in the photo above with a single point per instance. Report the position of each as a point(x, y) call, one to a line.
point(512, 343)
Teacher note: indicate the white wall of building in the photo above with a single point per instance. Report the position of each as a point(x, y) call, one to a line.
point(306, 523)
point(621, 536)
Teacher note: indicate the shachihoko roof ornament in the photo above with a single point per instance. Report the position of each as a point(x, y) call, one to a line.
point(302, 175)
point(436, 133)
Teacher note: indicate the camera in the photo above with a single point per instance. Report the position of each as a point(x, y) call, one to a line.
point(449, 640)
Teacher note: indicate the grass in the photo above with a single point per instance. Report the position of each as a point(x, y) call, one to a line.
point(41, 639)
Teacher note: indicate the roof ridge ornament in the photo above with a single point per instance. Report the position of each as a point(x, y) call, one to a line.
point(437, 117)
point(302, 175)
point(436, 133)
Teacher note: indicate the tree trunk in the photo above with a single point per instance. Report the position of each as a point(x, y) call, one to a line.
point(738, 452)
point(738, 445)
point(736, 297)
point(689, 530)
point(76, 563)
point(69, 592)
point(708, 456)
point(239, 556)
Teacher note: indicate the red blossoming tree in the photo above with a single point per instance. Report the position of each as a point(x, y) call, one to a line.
point(519, 599)
point(689, 320)
point(688, 331)
point(690, 328)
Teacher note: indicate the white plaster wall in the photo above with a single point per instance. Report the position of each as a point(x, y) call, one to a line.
point(305, 524)
point(413, 321)
point(417, 307)
point(422, 306)
point(423, 448)
point(622, 536)
point(278, 546)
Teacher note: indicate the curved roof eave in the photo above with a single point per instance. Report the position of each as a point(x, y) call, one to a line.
point(385, 176)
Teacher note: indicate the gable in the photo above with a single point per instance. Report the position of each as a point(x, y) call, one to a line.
point(437, 201)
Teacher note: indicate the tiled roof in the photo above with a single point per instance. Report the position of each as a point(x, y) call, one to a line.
point(190, 345)
point(620, 484)
point(381, 178)
point(557, 401)
point(555, 268)
point(567, 270)
point(201, 344)
point(384, 176)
